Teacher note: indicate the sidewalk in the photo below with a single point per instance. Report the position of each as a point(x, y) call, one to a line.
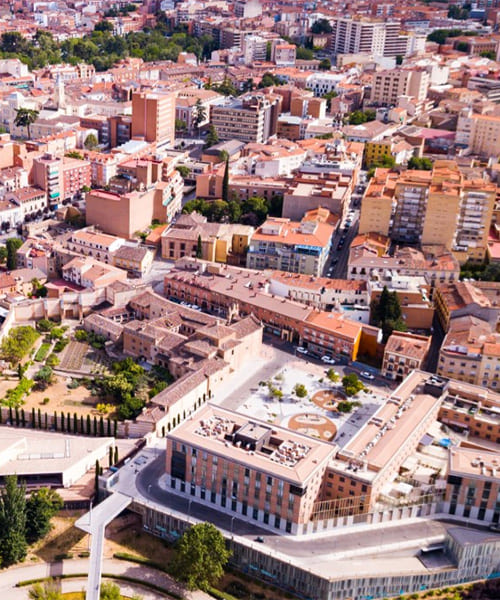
point(10, 577)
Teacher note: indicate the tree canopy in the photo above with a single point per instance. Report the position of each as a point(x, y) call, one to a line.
point(25, 117)
point(200, 556)
point(12, 245)
point(386, 313)
point(41, 506)
point(422, 164)
point(17, 343)
point(13, 546)
point(352, 384)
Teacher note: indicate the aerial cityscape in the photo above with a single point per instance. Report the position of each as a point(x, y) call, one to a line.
point(249, 300)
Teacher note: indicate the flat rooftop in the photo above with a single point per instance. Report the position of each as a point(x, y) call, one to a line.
point(269, 448)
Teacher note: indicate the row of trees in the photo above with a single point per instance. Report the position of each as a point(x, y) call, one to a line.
point(252, 211)
point(103, 49)
point(23, 521)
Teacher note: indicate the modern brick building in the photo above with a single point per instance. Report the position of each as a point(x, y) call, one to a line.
point(153, 117)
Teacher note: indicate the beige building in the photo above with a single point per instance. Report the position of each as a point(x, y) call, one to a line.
point(125, 214)
point(249, 118)
point(438, 207)
point(153, 117)
point(389, 85)
point(479, 132)
point(220, 242)
point(404, 352)
point(90, 273)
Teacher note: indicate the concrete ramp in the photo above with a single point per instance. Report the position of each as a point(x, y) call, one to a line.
point(94, 522)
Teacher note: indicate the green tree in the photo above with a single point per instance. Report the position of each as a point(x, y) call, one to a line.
point(25, 117)
point(44, 377)
point(109, 591)
point(321, 26)
point(225, 182)
point(41, 506)
point(49, 590)
point(304, 53)
point(17, 344)
point(300, 390)
point(488, 54)
point(12, 245)
point(325, 64)
point(352, 384)
point(200, 557)
point(13, 546)
point(199, 248)
point(180, 125)
point(399, 59)
point(386, 313)
point(212, 137)
point(422, 164)
point(91, 142)
point(200, 114)
point(183, 170)
point(3, 254)
point(332, 375)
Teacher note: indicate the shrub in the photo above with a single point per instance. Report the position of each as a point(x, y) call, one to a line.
point(42, 352)
point(61, 344)
point(46, 400)
point(300, 390)
point(52, 360)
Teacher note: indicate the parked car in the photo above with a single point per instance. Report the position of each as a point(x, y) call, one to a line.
point(301, 350)
point(328, 360)
point(366, 375)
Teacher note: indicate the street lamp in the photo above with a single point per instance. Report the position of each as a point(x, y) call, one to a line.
point(232, 522)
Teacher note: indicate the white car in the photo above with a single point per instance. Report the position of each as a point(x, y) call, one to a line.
point(366, 375)
point(301, 350)
point(328, 360)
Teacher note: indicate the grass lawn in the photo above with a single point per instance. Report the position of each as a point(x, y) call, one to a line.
point(42, 352)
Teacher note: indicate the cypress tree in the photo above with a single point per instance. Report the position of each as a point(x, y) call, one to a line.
point(81, 424)
point(96, 482)
point(33, 418)
point(23, 418)
point(101, 427)
point(225, 182)
point(46, 421)
point(39, 416)
point(88, 424)
point(116, 455)
point(17, 416)
point(13, 546)
point(109, 427)
point(1, 415)
point(62, 421)
point(110, 456)
point(55, 421)
point(75, 423)
point(95, 426)
point(11, 418)
point(115, 428)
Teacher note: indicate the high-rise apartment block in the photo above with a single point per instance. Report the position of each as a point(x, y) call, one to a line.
point(352, 35)
point(438, 207)
point(153, 117)
point(249, 118)
point(389, 85)
point(480, 133)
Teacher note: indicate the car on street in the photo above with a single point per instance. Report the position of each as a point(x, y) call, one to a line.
point(366, 375)
point(328, 360)
point(301, 350)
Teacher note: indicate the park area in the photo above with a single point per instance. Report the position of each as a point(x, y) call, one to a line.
point(312, 401)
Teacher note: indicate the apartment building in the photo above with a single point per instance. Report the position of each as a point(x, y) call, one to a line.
point(132, 211)
point(32, 202)
point(353, 35)
point(220, 242)
point(479, 132)
point(225, 290)
point(93, 243)
point(62, 178)
point(265, 473)
point(153, 117)
point(389, 85)
point(473, 485)
point(90, 273)
point(436, 265)
point(403, 353)
point(298, 247)
point(473, 409)
point(438, 207)
point(471, 352)
point(250, 118)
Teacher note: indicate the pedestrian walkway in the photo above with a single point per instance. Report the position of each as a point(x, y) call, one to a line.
point(94, 522)
point(110, 566)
